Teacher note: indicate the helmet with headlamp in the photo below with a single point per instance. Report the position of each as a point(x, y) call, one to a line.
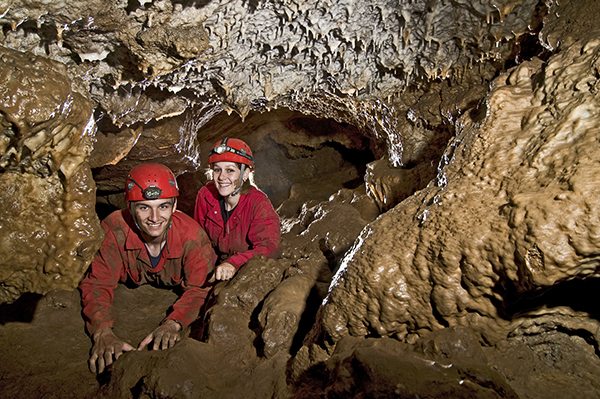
point(150, 181)
point(231, 150)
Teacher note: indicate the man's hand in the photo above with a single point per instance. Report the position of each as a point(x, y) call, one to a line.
point(225, 271)
point(106, 346)
point(164, 336)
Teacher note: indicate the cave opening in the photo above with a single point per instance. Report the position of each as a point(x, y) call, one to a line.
point(298, 158)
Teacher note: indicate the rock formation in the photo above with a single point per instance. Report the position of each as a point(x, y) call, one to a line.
point(49, 228)
point(434, 164)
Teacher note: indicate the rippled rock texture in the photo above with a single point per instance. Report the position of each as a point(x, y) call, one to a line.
point(511, 214)
point(49, 228)
point(434, 164)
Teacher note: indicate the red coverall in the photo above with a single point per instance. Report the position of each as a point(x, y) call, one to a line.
point(186, 259)
point(252, 229)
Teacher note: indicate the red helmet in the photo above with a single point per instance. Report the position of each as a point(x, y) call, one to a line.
point(231, 150)
point(149, 181)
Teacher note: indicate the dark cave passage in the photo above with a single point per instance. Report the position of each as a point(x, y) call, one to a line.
point(577, 294)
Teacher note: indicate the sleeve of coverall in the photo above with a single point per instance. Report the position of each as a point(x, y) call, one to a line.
point(264, 234)
point(199, 209)
point(98, 285)
point(197, 263)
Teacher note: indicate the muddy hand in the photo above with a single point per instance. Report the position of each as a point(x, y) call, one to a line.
point(107, 348)
point(164, 336)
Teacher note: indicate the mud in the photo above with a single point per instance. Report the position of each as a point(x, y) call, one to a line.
point(44, 347)
point(44, 352)
point(437, 184)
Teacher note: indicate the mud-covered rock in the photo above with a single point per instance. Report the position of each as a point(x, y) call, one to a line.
point(510, 214)
point(384, 368)
point(50, 230)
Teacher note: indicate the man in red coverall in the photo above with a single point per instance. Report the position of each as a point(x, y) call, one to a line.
point(149, 242)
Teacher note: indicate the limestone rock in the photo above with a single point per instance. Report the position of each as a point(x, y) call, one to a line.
point(384, 368)
point(50, 231)
point(511, 214)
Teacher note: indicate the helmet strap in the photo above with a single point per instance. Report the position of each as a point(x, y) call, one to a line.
point(132, 212)
point(237, 190)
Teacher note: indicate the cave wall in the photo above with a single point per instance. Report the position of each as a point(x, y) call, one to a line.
point(50, 231)
point(510, 217)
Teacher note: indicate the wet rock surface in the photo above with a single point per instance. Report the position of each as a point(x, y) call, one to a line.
point(471, 268)
point(434, 165)
point(49, 229)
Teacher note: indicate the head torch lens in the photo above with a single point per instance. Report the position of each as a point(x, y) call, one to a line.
point(221, 149)
point(152, 193)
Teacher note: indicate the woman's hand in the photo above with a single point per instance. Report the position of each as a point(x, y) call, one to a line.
point(225, 271)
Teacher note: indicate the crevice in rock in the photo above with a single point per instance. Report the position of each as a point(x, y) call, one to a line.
point(584, 334)
point(192, 3)
point(577, 294)
point(307, 319)
point(436, 313)
point(528, 46)
point(22, 310)
point(138, 389)
point(255, 327)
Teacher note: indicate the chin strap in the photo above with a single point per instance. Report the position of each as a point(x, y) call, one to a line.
point(134, 217)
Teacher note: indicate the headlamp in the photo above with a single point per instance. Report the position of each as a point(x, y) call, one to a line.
point(220, 149)
point(151, 193)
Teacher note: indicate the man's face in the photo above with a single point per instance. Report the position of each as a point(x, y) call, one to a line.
point(153, 216)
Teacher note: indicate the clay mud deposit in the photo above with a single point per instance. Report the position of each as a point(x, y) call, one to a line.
point(435, 166)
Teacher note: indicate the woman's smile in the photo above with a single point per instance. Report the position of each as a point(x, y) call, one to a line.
point(226, 176)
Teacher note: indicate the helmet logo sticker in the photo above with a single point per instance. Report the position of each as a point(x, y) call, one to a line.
point(152, 193)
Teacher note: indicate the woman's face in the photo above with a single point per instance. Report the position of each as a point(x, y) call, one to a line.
point(226, 176)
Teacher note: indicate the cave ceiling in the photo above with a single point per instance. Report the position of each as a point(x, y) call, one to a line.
point(364, 63)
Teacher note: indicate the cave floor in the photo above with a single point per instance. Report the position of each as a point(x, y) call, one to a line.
point(44, 349)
